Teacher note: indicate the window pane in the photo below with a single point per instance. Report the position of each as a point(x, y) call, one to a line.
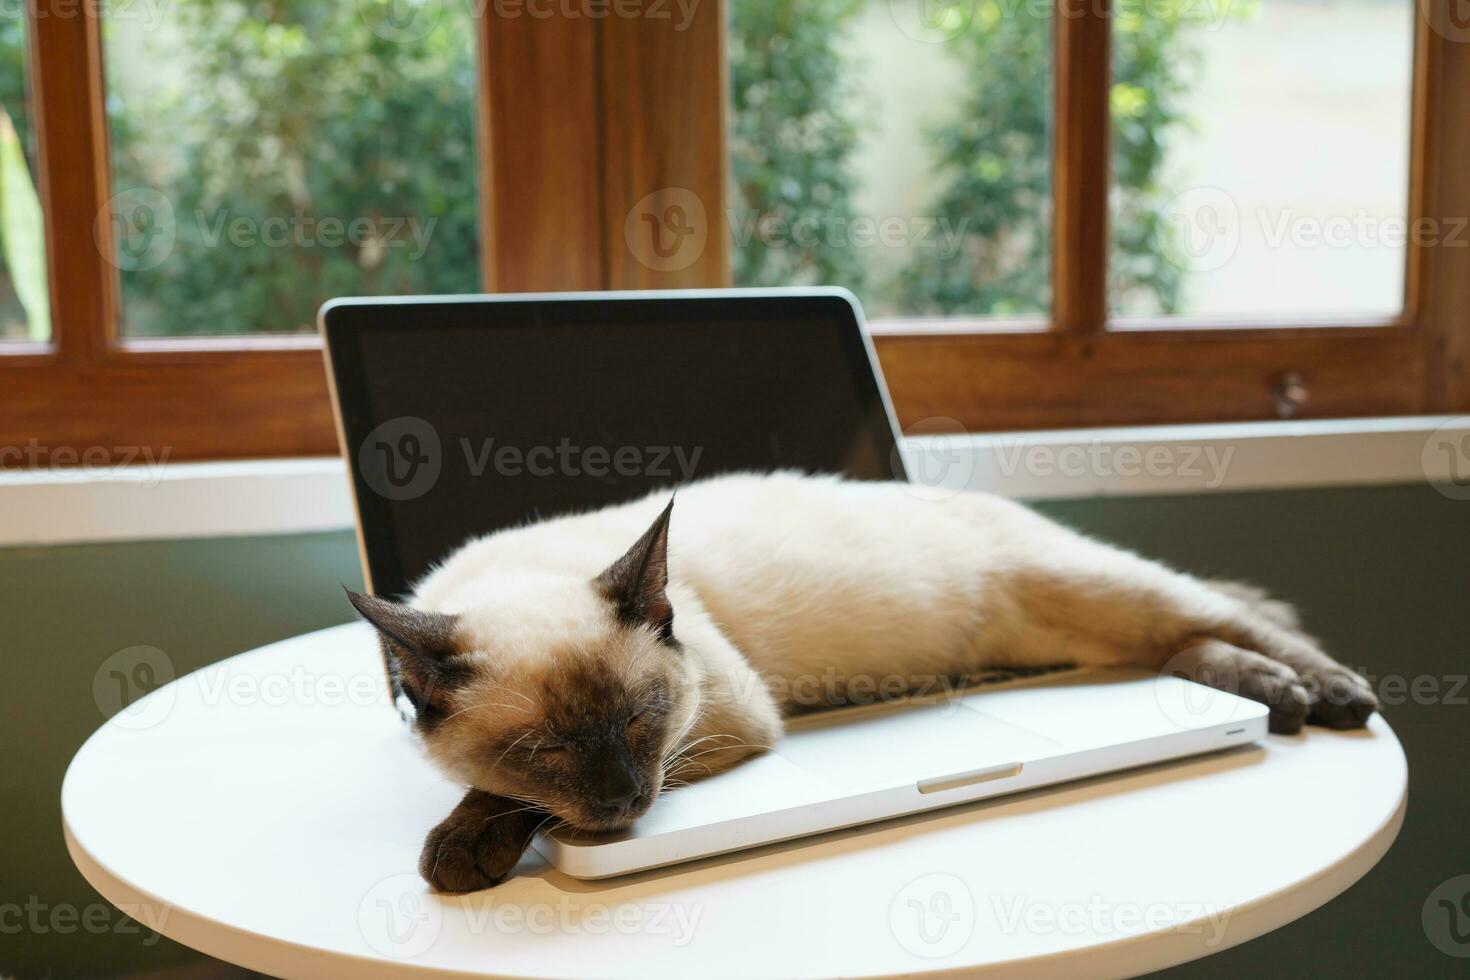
point(901, 148)
point(266, 157)
point(1260, 157)
point(25, 301)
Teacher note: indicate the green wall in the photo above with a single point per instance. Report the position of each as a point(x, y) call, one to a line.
point(1382, 575)
point(63, 611)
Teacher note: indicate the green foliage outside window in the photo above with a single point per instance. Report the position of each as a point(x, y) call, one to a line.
point(992, 171)
point(24, 296)
point(792, 134)
point(991, 159)
point(298, 110)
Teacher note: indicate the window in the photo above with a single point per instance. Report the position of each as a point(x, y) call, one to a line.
point(908, 159)
point(267, 158)
point(1023, 192)
point(25, 314)
point(1203, 222)
point(1241, 207)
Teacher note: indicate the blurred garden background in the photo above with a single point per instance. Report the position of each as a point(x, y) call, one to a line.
point(267, 156)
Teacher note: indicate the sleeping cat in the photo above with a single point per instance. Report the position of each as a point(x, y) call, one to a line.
point(564, 675)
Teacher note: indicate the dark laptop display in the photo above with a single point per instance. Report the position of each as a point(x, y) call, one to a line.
point(465, 415)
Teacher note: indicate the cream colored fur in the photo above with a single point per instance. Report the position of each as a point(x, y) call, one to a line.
point(788, 590)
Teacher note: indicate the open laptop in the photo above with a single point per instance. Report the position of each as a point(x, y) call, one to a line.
point(459, 415)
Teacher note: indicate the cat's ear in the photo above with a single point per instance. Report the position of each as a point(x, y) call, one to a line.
point(421, 645)
point(636, 582)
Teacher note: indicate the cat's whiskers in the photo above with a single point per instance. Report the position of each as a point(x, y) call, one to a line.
point(508, 690)
point(695, 717)
point(505, 813)
point(536, 802)
point(682, 746)
point(549, 817)
point(476, 706)
point(682, 752)
point(687, 760)
point(689, 745)
point(720, 748)
point(512, 745)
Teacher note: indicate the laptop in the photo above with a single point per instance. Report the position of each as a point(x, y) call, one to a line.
point(460, 415)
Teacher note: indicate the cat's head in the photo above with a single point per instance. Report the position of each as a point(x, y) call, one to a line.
point(568, 693)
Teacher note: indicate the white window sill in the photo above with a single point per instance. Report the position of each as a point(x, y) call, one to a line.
point(206, 500)
point(173, 501)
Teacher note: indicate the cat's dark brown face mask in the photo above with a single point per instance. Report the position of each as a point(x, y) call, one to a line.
point(596, 760)
point(581, 727)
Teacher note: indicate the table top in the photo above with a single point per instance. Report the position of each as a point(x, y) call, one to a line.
point(269, 810)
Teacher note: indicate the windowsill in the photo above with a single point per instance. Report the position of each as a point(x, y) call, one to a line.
point(174, 501)
point(295, 496)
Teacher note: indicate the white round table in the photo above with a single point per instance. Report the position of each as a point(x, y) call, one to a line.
point(268, 810)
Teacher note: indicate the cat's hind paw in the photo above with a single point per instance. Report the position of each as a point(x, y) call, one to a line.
point(1220, 665)
point(1340, 698)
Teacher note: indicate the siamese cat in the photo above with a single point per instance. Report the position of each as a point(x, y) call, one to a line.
point(564, 675)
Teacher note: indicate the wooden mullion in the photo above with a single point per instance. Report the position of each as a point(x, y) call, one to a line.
point(1438, 279)
point(1422, 131)
point(664, 166)
point(67, 98)
point(485, 146)
point(540, 153)
point(1081, 166)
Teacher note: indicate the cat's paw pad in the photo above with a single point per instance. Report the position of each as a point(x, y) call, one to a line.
point(1279, 688)
point(1340, 698)
point(1289, 710)
point(458, 859)
point(1220, 665)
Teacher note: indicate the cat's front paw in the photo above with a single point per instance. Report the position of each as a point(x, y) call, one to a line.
point(477, 845)
point(1340, 698)
point(455, 860)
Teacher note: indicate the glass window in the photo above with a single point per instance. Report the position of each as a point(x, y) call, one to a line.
point(1260, 157)
point(901, 148)
point(266, 157)
point(25, 301)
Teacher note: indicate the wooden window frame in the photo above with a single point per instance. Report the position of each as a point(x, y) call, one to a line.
point(580, 119)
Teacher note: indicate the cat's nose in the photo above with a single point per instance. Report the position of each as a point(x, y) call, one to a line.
point(615, 784)
point(621, 801)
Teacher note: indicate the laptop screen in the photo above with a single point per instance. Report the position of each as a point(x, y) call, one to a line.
point(465, 416)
